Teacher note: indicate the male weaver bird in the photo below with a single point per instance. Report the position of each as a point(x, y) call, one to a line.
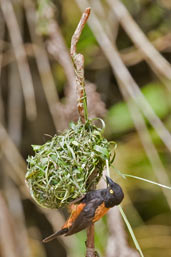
point(91, 208)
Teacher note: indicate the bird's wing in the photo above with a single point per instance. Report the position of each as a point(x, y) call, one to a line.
point(84, 219)
point(100, 212)
point(76, 210)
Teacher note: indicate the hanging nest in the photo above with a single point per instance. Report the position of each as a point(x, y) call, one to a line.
point(65, 167)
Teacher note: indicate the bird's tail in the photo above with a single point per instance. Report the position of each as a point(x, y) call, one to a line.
point(53, 236)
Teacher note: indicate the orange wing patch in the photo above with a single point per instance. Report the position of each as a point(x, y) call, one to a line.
point(100, 212)
point(76, 209)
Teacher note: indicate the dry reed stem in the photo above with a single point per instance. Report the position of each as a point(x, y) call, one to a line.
point(57, 48)
point(15, 105)
point(132, 56)
point(2, 33)
point(156, 61)
point(17, 174)
point(17, 213)
point(116, 229)
point(21, 58)
point(109, 20)
point(124, 78)
point(149, 147)
point(7, 238)
point(43, 64)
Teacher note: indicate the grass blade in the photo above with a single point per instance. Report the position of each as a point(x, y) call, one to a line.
point(131, 231)
point(146, 180)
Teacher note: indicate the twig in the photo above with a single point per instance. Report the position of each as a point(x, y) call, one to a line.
point(90, 251)
point(23, 67)
point(78, 60)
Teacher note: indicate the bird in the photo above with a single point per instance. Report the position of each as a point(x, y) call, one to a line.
point(93, 206)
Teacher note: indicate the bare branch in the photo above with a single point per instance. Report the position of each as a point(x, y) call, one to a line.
point(90, 251)
point(78, 60)
point(78, 31)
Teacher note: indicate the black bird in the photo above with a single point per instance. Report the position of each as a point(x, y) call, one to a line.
point(90, 209)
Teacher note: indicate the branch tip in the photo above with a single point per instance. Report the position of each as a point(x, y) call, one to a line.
point(87, 11)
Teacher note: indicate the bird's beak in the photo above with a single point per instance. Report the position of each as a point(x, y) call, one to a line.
point(109, 181)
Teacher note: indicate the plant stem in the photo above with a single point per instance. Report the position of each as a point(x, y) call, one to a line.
point(78, 60)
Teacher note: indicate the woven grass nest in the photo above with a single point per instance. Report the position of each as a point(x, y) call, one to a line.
point(65, 167)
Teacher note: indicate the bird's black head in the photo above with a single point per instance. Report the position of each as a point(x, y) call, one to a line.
point(114, 194)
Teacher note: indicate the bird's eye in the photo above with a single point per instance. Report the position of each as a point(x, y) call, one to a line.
point(111, 191)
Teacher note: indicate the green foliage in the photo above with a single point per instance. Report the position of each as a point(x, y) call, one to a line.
point(65, 167)
point(87, 39)
point(119, 119)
